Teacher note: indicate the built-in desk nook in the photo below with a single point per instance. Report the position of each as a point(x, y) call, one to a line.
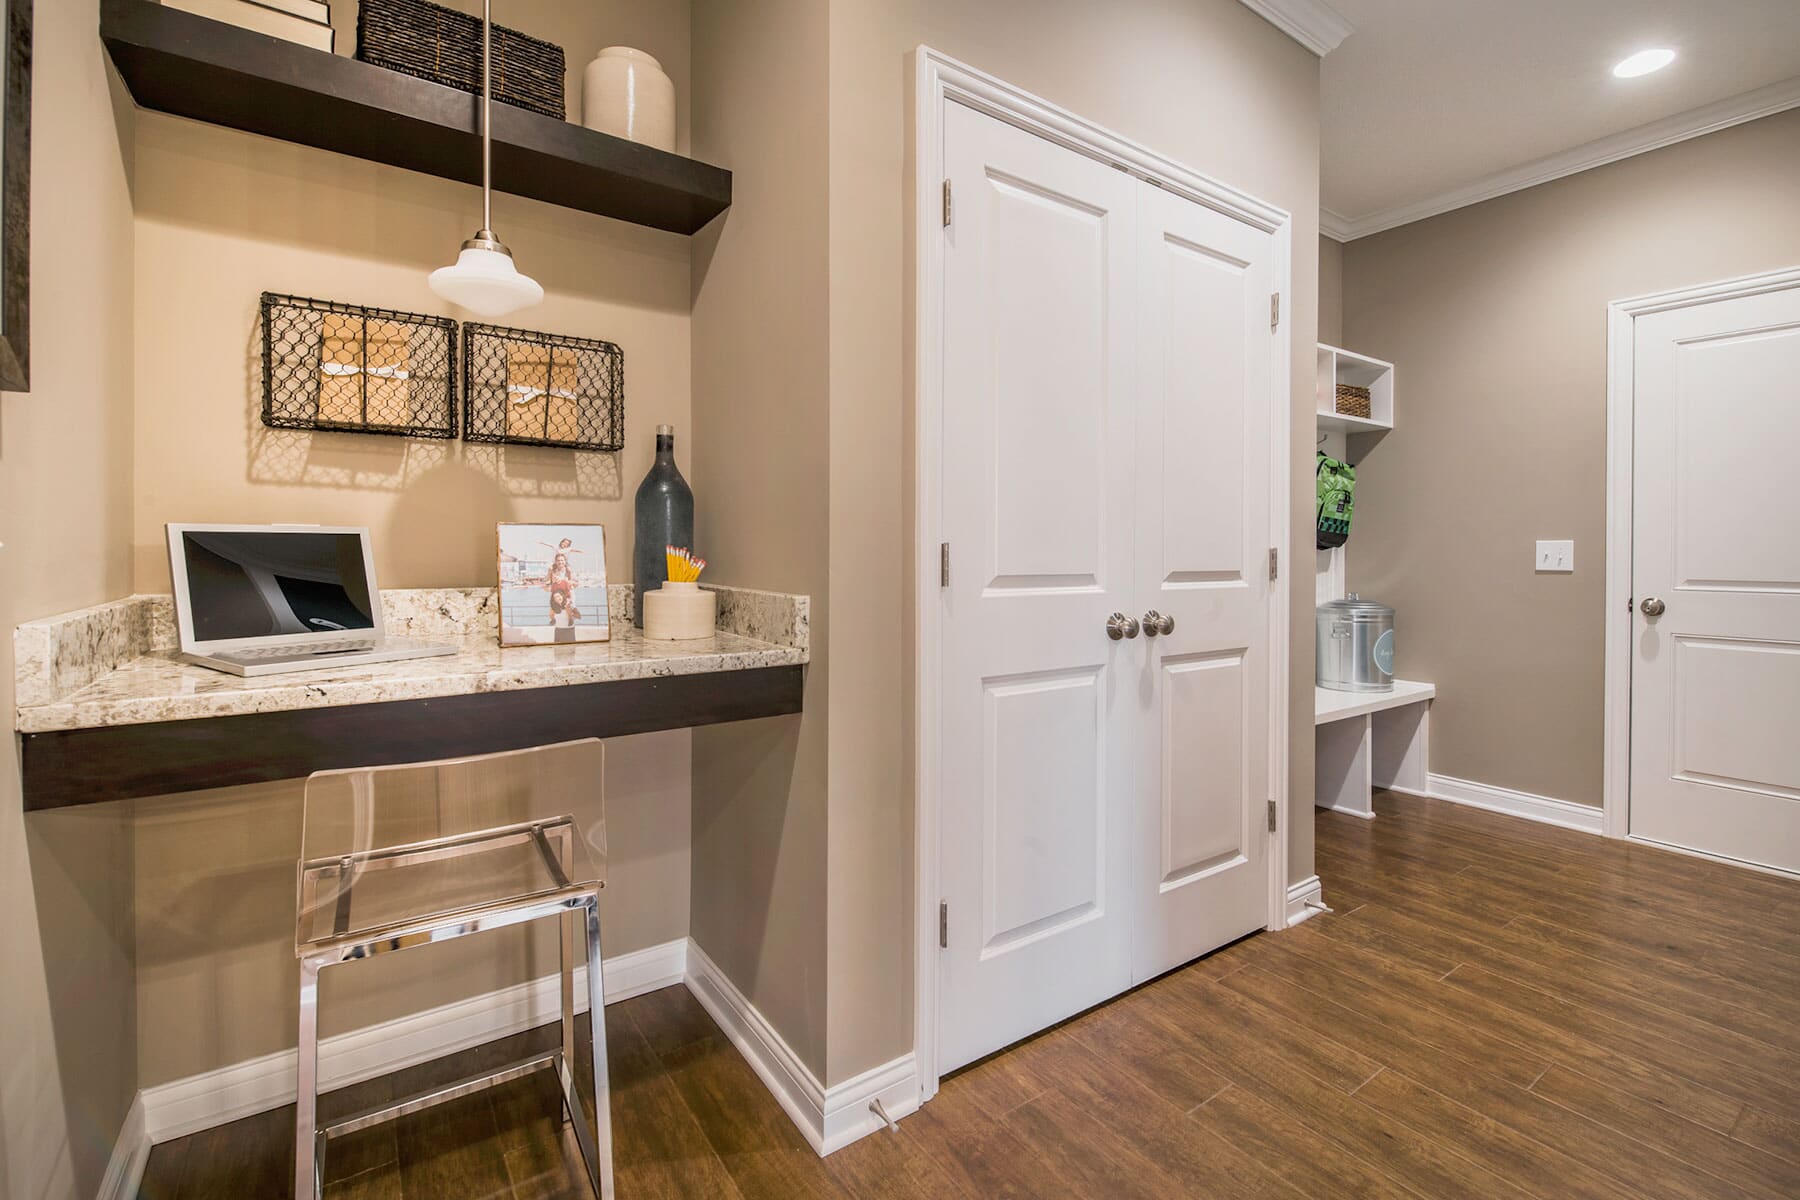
point(106, 711)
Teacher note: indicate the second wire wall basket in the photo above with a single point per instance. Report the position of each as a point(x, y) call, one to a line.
point(540, 389)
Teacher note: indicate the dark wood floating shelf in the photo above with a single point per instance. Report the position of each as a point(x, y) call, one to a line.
point(64, 768)
point(175, 62)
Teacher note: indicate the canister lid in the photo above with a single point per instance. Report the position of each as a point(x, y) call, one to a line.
point(1355, 607)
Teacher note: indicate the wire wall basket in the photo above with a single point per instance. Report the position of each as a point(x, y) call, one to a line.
point(542, 389)
point(356, 369)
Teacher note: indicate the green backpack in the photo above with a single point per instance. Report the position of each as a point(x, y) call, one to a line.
point(1337, 499)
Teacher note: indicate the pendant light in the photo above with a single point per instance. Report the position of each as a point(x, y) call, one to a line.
point(483, 279)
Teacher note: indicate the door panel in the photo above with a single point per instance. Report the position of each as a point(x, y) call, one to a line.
point(1205, 704)
point(1049, 289)
point(1739, 422)
point(1045, 820)
point(1205, 374)
point(1036, 505)
point(1205, 292)
point(1715, 685)
point(1757, 751)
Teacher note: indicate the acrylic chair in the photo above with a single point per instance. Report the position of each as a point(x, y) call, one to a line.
point(396, 858)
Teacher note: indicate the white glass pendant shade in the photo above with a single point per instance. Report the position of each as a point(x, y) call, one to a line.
point(483, 278)
point(486, 282)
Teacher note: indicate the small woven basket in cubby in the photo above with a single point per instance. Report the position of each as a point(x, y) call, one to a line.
point(1352, 401)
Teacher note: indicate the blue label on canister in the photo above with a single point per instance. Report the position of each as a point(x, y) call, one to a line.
point(1383, 652)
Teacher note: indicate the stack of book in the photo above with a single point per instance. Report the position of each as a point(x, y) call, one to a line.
point(307, 22)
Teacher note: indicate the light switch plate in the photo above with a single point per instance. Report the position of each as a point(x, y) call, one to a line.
point(1556, 556)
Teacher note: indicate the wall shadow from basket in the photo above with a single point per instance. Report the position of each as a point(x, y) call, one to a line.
point(547, 471)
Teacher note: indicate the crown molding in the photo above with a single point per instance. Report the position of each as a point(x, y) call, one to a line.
point(1312, 23)
point(1763, 102)
point(1335, 225)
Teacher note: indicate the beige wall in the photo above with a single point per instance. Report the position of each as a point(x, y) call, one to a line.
point(760, 450)
point(1143, 68)
point(67, 1028)
point(1331, 292)
point(220, 217)
point(1495, 319)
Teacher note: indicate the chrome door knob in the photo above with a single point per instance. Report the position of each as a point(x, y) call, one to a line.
point(1121, 626)
point(1155, 623)
point(1652, 607)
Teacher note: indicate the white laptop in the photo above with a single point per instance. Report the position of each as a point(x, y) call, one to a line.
point(262, 599)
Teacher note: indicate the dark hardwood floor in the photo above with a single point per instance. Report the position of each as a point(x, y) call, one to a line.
point(1496, 1008)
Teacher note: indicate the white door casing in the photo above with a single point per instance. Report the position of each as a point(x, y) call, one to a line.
point(1038, 705)
point(1715, 678)
point(1203, 538)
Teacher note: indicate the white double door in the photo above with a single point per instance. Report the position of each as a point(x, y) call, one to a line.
point(1715, 681)
point(1107, 397)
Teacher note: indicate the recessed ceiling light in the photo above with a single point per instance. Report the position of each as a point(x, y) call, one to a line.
point(1644, 62)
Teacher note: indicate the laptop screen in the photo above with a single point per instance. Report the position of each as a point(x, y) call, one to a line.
point(272, 583)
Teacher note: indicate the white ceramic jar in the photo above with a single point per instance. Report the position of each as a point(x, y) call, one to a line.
point(625, 93)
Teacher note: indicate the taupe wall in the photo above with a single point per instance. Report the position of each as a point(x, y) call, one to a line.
point(67, 1027)
point(1495, 319)
point(222, 216)
point(760, 449)
point(1143, 68)
point(1331, 292)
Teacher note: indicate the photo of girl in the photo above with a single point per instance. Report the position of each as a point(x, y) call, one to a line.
point(552, 584)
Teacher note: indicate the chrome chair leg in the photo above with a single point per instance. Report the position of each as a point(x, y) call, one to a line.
point(597, 1027)
point(566, 928)
point(306, 1082)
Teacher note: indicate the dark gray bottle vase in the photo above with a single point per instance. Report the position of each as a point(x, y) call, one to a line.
point(665, 517)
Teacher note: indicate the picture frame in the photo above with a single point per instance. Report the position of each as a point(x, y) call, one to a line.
point(15, 199)
point(552, 583)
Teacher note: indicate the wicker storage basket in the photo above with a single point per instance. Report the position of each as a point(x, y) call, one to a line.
point(444, 46)
point(1352, 401)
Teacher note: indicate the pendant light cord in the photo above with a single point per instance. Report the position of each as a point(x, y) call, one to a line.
point(487, 116)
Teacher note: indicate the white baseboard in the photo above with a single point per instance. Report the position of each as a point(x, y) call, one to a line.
point(1546, 809)
point(788, 1079)
point(829, 1118)
point(181, 1107)
point(1368, 815)
point(1301, 896)
point(125, 1170)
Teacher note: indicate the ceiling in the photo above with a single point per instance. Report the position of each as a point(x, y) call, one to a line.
point(1430, 104)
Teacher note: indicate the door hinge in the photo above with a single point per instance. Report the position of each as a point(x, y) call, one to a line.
point(1271, 816)
point(946, 203)
point(943, 925)
point(1274, 305)
point(1274, 562)
point(943, 564)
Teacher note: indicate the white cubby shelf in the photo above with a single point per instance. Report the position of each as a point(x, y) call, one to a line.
point(1337, 366)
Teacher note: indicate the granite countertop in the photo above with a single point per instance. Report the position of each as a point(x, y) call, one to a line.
point(116, 664)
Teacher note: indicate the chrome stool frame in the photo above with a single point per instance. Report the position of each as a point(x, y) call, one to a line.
point(566, 902)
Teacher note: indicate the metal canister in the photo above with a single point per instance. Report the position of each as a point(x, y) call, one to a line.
point(1355, 646)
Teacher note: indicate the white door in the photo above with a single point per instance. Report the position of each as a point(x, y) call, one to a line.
point(1715, 690)
point(1204, 388)
point(1036, 700)
point(1106, 449)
